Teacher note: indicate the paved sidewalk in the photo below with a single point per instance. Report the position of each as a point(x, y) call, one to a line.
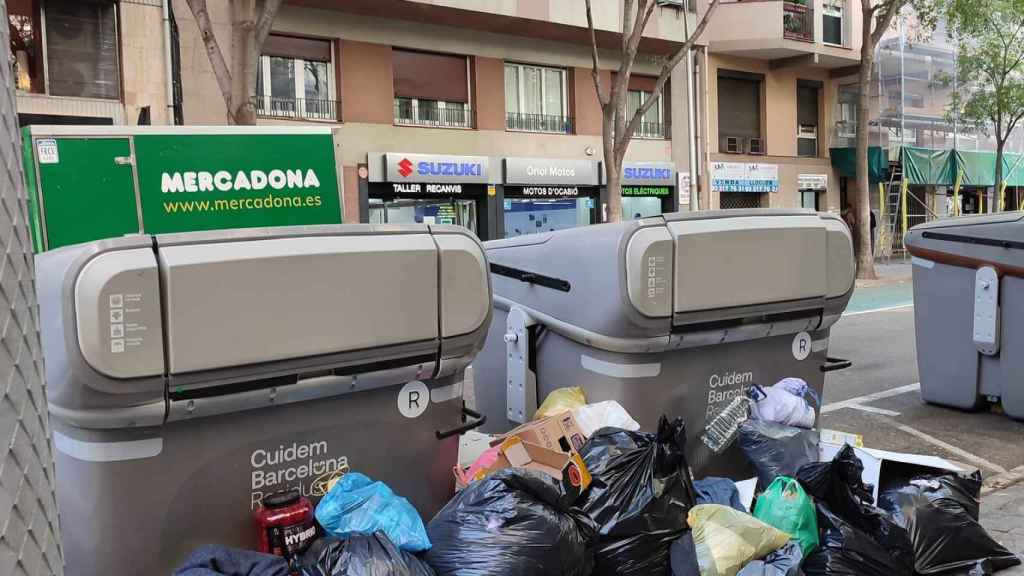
point(1002, 514)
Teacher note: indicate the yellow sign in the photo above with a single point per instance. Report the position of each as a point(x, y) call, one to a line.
point(491, 190)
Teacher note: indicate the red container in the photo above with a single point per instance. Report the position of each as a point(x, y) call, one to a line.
point(285, 524)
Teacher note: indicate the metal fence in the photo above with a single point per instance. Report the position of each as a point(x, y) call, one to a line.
point(419, 114)
point(798, 21)
point(296, 108)
point(29, 531)
point(539, 123)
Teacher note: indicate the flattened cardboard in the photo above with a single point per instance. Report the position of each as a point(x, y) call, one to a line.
point(516, 453)
point(559, 432)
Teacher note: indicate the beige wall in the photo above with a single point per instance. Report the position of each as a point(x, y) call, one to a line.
point(779, 126)
point(488, 102)
point(142, 60)
point(367, 82)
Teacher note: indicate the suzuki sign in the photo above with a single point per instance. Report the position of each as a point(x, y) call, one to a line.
point(648, 174)
point(438, 169)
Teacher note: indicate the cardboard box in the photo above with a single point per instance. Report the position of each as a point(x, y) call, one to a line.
point(559, 432)
point(514, 452)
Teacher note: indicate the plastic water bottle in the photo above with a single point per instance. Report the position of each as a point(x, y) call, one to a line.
point(722, 429)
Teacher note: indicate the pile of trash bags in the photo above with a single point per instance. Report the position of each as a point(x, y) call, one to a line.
point(624, 504)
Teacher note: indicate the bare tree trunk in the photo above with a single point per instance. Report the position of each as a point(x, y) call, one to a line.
point(244, 58)
point(612, 168)
point(862, 198)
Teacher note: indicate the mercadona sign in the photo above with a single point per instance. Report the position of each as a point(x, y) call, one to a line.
point(90, 183)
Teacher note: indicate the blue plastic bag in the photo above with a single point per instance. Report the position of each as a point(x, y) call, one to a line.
point(358, 505)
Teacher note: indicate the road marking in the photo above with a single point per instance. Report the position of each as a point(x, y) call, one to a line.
point(967, 456)
point(873, 410)
point(874, 310)
point(854, 402)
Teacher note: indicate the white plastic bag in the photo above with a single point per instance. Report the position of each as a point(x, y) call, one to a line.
point(784, 403)
point(592, 417)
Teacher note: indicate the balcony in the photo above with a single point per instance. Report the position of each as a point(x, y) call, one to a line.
point(652, 131)
point(296, 108)
point(785, 32)
point(408, 113)
point(523, 122)
point(798, 21)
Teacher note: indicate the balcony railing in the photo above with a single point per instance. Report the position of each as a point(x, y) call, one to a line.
point(433, 116)
point(798, 21)
point(539, 123)
point(652, 130)
point(297, 108)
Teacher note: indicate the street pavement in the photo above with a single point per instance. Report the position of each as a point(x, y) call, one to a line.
point(879, 398)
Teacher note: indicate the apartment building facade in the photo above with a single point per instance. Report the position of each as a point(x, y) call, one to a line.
point(770, 81)
point(501, 91)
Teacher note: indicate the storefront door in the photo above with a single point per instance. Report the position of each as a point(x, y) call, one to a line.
point(634, 208)
point(461, 212)
point(535, 215)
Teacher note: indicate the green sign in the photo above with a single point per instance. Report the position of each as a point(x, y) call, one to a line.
point(96, 187)
point(646, 191)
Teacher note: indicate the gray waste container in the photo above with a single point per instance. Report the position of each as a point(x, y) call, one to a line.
point(676, 314)
point(969, 310)
point(191, 374)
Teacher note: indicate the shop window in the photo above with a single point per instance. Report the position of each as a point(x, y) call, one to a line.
point(535, 99)
point(295, 79)
point(653, 124)
point(431, 90)
point(65, 47)
point(739, 112)
point(847, 122)
point(807, 118)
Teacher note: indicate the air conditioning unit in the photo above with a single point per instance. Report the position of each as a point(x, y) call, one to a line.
point(755, 146)
point(807, 131)
point(733, 145)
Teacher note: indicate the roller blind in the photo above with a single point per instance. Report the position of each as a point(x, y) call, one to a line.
point(430, 76)
point(298, 48)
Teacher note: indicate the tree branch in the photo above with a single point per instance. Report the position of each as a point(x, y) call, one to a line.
point(882, 23)
point(644, 11)
point(602, 94)
point(666, 69)
point(266, 20)
point(220, 67)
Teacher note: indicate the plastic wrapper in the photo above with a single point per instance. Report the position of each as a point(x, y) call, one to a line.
point(358, 505)
point(783, 562)
point(561, 400)
point(941, 515)
point(839, 485)
point(787, 507)
point(846, 551)
point(514, 521)
point(726, 540)
point(775, 450)
point(639, 497)
point(784, 403)
point(593, 417)
point(361, 555)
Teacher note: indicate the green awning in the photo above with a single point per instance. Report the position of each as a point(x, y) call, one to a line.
point(844, 160)
point(924, 166)
point(928, 167)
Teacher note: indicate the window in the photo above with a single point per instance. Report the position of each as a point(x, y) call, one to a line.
point(653, 125)
point(846, 122)
point(295, 79)
point(807, 118)
point(535, 99)
point(832, 22)
point(739, 110)
point(431, 90)
point(65, 48)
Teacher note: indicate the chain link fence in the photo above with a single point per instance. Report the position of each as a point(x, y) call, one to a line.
point(29, 532)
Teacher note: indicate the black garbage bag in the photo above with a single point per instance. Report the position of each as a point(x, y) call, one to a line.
point(776, 450)
point(683, 556)
point(846, 551)
point(783, 562)
point(941, 515)
point(640, 496)
point(361, 555)
point(839, 485)
point(216, 560)
point(515, 521)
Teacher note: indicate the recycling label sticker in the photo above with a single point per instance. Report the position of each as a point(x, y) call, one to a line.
point(802, 346)
point(413, 399)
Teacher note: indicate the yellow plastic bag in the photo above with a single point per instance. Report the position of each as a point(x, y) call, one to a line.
point(561, 400)
point(727, 540)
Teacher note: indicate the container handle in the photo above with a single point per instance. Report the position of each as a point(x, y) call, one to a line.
point(479, 420)
point(835, 364)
